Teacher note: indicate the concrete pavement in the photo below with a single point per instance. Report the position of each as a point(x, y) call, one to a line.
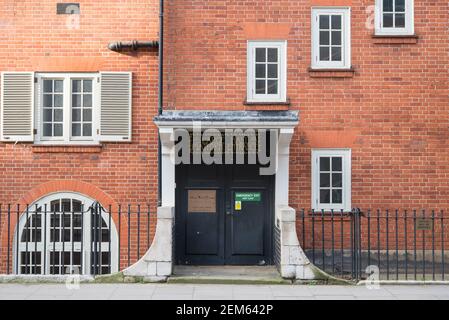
point(218, 292)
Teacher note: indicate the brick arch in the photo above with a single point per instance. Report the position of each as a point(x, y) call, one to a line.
point(57, 186)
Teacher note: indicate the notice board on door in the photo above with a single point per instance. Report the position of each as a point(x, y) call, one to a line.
point(202, 201)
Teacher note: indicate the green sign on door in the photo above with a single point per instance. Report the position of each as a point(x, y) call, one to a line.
point(248, 196)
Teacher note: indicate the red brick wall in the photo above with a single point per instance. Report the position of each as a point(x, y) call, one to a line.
point(393, 112)
point(34, 38)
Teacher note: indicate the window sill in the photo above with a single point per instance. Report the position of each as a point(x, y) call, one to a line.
point(331, 73)
point(395, 39)
point(267, 105)
point(67, 148)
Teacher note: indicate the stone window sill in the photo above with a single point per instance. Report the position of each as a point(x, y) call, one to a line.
point(331, 73)
point(267, 105)
point(395, 39)
point(67, 149)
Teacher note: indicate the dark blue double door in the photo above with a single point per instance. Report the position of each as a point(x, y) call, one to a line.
point(224, 215)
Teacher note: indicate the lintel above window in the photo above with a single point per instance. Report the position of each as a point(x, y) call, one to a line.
point(267, 72)
point(394, 17)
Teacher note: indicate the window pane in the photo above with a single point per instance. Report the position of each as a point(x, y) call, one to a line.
point(76, 206)
point(261, 55)
point(400, 20)
point(58, 101)
point(272, 71)
point(87, 103)
point(337, 196)
point(336, 22)
point(58, 115)
point(337, 180)
point(48, 116)
point(388, 20)
point(58, 86)
point(55, 208)
point(76, 101)
point(57, 130)
point(87, 115)
point(272, 87)
point(260, 86)
point(336, 38)
point(87, 87)
point(48, 101)
point(87, 130)
point(76, 130)
point(388, 5)
point(48, 86)
point(336, 53)
point(272, 55)
point(77, 235)
point(324, 37)
point(325, 164)
point(260, 71)
point(47, 129)
point(324, 22)
point(325, 196)
point(76, 114)
point(324, 53)
point(76, 86)
point(337, 164)
point(400, 6)
point(325, 180)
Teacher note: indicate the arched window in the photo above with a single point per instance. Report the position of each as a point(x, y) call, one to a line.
point(66, 233)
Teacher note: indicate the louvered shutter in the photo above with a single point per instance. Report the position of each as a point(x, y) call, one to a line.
point(116, 106)
point(17, 106)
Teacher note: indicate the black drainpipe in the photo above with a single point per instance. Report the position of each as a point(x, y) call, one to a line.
point(161, 93)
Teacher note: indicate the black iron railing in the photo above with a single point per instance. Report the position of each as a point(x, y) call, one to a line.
point(54, 241)
point(390, 245)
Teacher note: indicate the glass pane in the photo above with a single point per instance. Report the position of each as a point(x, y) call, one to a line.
point(58, 101)
point(388, 20)
point(337, 196)
point(261, 55)
point(272, 55)
point(87, 103)
point(67, 237)
point(48, 86)
point(59, 86)
point(58, 115)
point(76, 205)
point(76, 258)
point(76, 114)
point(400, 20)
point(324, 38)
point(104, 235)
point(77, 235)
point(47, 130)
point(336, 53)
point(336, 22)
point(260, 71)
point(66, 205)
point(87, 86)
point(76, 130)
point(336, 38)
point(87, 130)
point(76, 101)
point(400, 6)
point(272, 71)
point(272, 87)
point(337, 164)
point(57, 130)
point(76, 86)
point(324, 53)
point(388, 5)
point(325, 180)
point(260, 86)
point(325, 164)
point(325, 196)
point(48, 101)
point(337, 180)
point(87, 115)
point(324, 22)
point(48, 115)
point(55, 206)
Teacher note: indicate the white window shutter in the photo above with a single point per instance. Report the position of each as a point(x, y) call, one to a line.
point(116, 106)
point(17, 107)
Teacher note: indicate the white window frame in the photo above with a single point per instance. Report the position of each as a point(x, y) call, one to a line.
point(345, 12)
point(346, 154)
point(281, 97)
point(409, 21)
point(67, 138)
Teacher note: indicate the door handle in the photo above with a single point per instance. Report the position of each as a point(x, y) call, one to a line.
point(229, 213)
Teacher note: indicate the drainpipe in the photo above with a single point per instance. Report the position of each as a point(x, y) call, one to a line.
point(160, 94)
